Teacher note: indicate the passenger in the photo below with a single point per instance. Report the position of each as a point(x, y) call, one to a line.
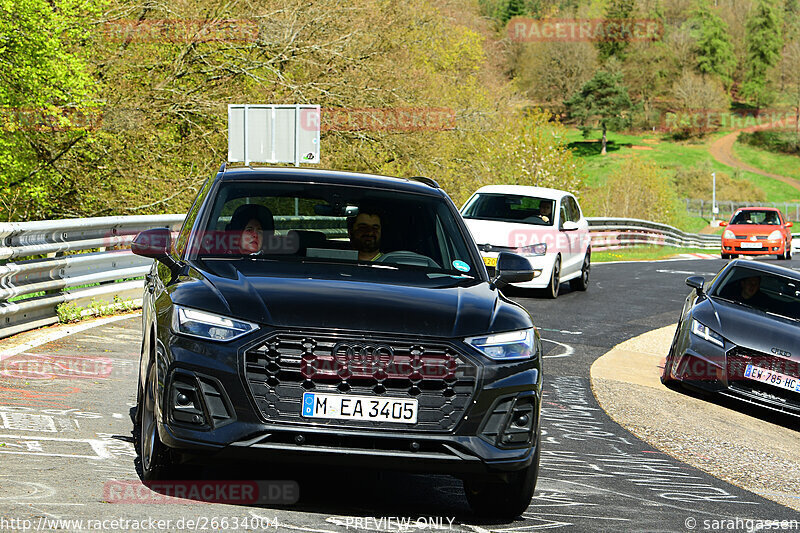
point(249, 224)
point(364, 230)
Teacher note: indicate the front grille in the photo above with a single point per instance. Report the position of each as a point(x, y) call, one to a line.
point(738, 359)
point(286, 364)
point(746, 237)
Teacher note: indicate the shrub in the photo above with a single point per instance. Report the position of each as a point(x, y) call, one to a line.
point(696, 182)
point(784, 142)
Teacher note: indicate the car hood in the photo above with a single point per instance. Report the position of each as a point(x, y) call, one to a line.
point(752, 229)
point(750, 328)
point(453, 308)
point(508, 234)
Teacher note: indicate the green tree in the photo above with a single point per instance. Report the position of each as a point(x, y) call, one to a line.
point(763, 42)
point(604, 100)
point(713, 48)
point(617, 14)
point(43, 86)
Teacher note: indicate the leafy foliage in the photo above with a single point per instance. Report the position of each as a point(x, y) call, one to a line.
point(637, 189)
point(604, 100)
point(713, 48)
point(764, 42)
point(696, 182)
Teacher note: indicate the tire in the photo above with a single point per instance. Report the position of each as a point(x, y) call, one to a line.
point(582, 283)
point(504, 500)
point(666, 374)
point(555, 280)
point(726, 256)
point(155, 456)
point(788, 252)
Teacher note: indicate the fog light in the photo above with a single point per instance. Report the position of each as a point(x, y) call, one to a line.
point(183, 399)
point(522, 420)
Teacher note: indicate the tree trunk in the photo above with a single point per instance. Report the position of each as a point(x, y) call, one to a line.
point(797, 122)
point(603, 151)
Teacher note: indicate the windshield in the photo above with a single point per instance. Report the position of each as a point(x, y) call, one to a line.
point(769, 218)
point(511, 208)
point(768, 292)
point(312, 223)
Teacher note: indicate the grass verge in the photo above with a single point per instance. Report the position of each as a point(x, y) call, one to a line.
point(646, 253)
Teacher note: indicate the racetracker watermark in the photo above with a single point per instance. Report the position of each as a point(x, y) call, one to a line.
point(555, 240)
point(523, 29)
point(49, 120)
point(46, 367)
point(389, 119)
point(705, 120)
point(180, 30)
point(206, 491)
point(750, 525)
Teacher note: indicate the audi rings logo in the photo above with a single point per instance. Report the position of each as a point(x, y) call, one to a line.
point(374, 356)
point(782, 353)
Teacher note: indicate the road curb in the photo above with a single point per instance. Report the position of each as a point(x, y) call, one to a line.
point(751, 453)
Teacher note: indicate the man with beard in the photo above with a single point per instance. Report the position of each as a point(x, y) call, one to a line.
point(365, 234)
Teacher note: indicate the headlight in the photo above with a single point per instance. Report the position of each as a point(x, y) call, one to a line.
point(534, 249)
point(728, 234)
point(505, 346)
point(704, 332)
point(775, 236)
point(208, 325)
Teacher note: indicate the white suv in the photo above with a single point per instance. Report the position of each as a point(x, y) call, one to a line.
point(545, 226)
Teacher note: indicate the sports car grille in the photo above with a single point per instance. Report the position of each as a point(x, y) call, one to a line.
point(287, 364)
point(737, 361)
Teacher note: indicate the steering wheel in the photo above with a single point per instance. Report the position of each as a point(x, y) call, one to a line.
point(405, 257)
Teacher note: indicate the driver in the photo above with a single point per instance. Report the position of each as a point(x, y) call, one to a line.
point(365, 234)
point(546, 211)
point(748, 291)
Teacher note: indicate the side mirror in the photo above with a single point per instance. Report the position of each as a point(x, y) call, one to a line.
point(569, 225)
point(722, 223)
point(155, 244)
point(789, 224)
point(511, 268)
point(696, 282)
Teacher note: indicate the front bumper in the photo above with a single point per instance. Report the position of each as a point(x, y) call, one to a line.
point(233, 425)
point(734, 246)
point(715, 371)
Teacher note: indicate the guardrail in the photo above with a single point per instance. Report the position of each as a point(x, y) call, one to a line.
point(615, 233)
point(47, 263)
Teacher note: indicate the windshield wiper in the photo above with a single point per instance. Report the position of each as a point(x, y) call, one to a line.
point(737, 302)
point(793, 319)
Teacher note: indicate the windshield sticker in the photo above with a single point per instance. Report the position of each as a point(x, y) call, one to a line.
point(461, 266)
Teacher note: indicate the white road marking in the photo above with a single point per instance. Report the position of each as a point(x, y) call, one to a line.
point(568, 350)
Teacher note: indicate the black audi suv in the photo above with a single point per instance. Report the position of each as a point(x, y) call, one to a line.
point(329, 317)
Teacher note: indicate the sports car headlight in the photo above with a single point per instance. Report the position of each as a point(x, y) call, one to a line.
point(533, 249)
point(704, 332)
point(728, 234)
point(208, 325)
point(506, 346)
point(775, 236)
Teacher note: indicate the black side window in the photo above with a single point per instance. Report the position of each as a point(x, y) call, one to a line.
point(188, 224)
point(576, 211)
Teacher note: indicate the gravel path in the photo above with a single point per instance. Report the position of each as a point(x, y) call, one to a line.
point(722, 151)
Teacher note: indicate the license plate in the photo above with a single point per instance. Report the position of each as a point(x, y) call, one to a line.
point(750, 245)
point(775, 379)
point(490, 261)
point(349, 407)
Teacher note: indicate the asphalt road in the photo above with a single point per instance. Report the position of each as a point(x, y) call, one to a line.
point(66, 442)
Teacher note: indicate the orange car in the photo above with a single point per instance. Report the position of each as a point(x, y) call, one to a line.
point(757, 231)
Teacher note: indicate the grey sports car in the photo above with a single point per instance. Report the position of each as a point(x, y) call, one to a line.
point(739, 336)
